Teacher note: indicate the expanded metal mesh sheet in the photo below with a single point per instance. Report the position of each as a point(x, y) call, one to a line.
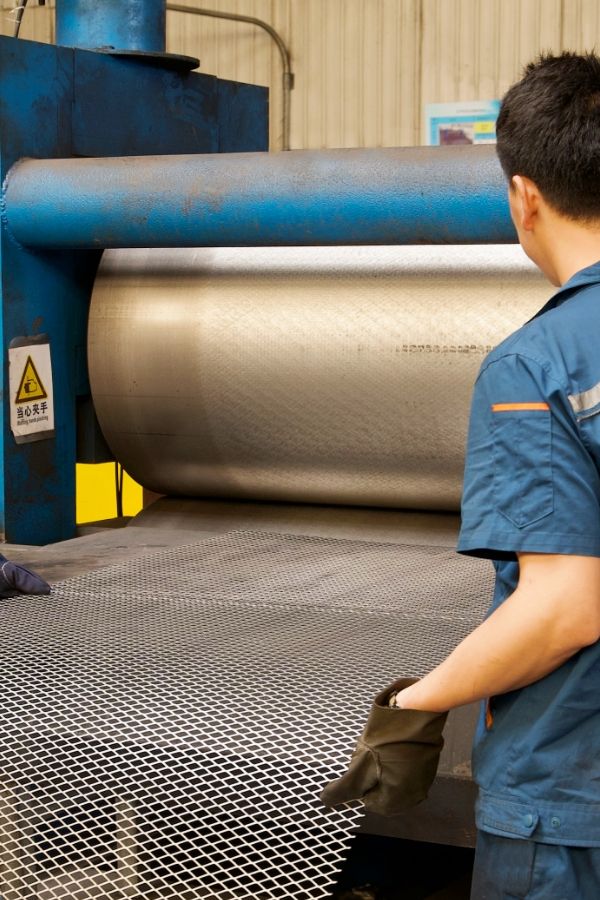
point(167, 724)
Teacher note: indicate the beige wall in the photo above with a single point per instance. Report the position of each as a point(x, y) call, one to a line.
point(37, 24)
point(365, 68)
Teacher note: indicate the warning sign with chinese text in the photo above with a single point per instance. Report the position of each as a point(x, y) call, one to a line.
point(30, 385)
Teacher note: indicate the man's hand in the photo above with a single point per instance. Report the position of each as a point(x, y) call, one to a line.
point(395, 759)
point(16, 579)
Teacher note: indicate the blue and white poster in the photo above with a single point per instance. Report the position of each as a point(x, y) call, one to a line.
point(466, 122)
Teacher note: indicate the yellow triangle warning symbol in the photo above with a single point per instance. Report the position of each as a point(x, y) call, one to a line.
point(30, 386)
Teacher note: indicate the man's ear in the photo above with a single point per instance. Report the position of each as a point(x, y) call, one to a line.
point(526, 201)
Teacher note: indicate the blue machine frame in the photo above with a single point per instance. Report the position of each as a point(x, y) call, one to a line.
point(64, 102)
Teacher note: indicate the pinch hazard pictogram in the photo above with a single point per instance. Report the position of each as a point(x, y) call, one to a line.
point(30, 386)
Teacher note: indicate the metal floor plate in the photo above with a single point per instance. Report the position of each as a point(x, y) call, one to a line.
point(167, 723)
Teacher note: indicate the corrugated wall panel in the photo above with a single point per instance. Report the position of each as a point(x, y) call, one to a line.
point(474, 49)
point(581, 25)
point(357, 64)
point(365, 68)
point(37, 24)
point(400, 69)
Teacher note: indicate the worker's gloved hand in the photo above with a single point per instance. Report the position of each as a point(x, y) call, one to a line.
point(16, 579)
point(395, 759)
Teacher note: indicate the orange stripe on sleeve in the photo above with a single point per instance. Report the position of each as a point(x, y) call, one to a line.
point(519, 407)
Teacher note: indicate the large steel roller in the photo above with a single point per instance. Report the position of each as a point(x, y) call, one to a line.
point(315, 374)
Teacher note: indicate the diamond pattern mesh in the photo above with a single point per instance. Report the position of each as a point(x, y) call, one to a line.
point(167, 723)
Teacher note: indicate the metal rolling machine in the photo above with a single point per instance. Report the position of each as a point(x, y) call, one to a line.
point(283, 347)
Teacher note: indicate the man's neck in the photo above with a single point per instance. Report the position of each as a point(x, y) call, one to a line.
point(569, 247)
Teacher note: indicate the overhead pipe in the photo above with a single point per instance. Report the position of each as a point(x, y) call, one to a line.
point(424, 195)
point(19, 10)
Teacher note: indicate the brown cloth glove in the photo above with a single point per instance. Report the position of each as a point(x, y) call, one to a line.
point(395, 759)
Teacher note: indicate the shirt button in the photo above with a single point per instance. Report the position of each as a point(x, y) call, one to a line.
point(555, 822)
point(528, 820)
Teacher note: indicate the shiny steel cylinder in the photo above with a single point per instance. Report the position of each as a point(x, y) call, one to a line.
point(118, 24)
point(333, 376)
point(411, 195)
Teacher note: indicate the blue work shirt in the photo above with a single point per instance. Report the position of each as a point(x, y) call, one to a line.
point(532, 484)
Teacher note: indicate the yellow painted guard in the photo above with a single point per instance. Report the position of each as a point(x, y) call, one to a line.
point(96, 495)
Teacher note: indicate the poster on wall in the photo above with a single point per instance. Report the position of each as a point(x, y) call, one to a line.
point(465, 122)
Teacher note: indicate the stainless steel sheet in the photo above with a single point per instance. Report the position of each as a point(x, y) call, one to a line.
point(322, 375)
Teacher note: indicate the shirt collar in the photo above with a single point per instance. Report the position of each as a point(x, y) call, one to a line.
point(583, 278)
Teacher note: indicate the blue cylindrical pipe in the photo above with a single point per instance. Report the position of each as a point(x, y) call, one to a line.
point(442, 195)
point(118, 24)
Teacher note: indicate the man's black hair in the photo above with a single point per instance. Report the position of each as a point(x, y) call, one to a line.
point(548, 129)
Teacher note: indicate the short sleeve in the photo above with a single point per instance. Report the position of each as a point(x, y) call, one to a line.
point(530, 483)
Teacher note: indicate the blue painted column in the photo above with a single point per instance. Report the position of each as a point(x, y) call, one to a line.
point(118, 24)
point(60, 102)
point(40, 295)
point(423, 195)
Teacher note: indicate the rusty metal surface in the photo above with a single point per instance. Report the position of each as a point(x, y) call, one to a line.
point(416, 195)
point(331, 376)
point(116, 24)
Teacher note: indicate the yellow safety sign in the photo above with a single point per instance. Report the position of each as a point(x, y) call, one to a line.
point(30, 386)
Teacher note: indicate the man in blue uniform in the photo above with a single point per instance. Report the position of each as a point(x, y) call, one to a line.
point(531, 503)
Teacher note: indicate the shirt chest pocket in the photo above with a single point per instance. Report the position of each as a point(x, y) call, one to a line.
point(523, 486)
